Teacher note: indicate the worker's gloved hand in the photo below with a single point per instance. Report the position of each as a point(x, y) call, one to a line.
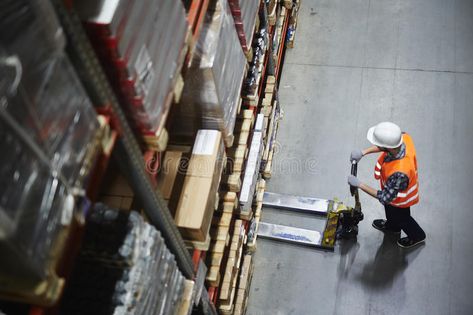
point(354, 181)
point(356, 155)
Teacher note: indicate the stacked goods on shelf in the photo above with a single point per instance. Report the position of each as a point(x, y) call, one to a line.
point(291, 30)
point(198, 197)
point(255, 73)
point(124, 267)
point(250, 157)
point(261, 98)
point(279, 36)
point(252, 230)
point(211, 95)
point(272, 6)
point(229, 205)
point(270, 108)
point(245, 14)
point(140, 54)
point(248, 186)
point(49, 133)
point(272, 114)
point(35, 205)
point(238, 153)
point(227, 249)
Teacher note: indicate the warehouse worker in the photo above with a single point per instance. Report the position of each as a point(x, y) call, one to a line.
point(396, 170)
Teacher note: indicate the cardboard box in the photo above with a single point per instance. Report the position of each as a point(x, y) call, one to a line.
point(169, 172)
point(117, 192)
point(197, 200)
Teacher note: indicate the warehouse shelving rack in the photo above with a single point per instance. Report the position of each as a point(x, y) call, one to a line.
point(126, 149)
point(124, 144)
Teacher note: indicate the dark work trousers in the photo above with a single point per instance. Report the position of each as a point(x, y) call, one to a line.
point(400, 218)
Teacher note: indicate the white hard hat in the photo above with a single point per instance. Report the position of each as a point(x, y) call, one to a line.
point(386, 135)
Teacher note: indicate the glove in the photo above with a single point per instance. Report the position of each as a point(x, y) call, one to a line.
point(356, 155)
point(354, 181)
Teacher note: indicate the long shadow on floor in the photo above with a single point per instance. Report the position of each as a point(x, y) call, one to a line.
point(388, 265)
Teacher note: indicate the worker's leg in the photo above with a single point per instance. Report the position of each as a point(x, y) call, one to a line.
point(392, 218)
point(408, 224)
point(391, 224)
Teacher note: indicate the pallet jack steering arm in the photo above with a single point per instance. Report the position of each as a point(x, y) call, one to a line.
point(350, 217)
point(353, 189)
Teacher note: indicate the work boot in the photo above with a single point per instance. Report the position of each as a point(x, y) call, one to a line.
point(380, 224)
point(406, 242)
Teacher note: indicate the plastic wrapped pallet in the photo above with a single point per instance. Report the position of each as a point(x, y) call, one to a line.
point(211, 95)
point(43, 93)
point(48, 127)
point(124, 268)
point(244, 13)
point(32, 204)
point(139, 52)
point(252, 166)
point(25, 24)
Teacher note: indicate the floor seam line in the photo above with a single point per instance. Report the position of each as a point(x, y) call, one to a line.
point(379, 68)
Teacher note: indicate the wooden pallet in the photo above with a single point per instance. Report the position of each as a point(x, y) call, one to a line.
point(273, 123)
point(244, 283)
point(272, 127)
point(260, 189)
point(220, 237)
point(268, 170)
point(185, 305)
point(288, 4)
point(203, 246)
point(267, 106)
point(47, 291)
point(239, 152)
point(229, 282)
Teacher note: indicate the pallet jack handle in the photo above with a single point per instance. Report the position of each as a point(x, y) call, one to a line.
point(354, 171)
point(354, 190)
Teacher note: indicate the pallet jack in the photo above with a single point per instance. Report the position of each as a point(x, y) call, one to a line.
point(342, 220)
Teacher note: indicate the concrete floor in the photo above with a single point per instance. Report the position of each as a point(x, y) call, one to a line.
point(356, 63)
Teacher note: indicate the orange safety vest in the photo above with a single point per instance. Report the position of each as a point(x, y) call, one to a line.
point(407, 165)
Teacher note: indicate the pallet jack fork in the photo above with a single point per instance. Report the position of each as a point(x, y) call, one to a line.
point(342, 220)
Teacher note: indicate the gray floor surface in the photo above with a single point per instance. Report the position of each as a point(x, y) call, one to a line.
point(356, 63)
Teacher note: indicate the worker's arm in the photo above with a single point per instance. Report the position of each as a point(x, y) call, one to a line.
point(357, 154)
point(369, 190)
point(355, 182)
point(372, 149)
point(396, 182)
